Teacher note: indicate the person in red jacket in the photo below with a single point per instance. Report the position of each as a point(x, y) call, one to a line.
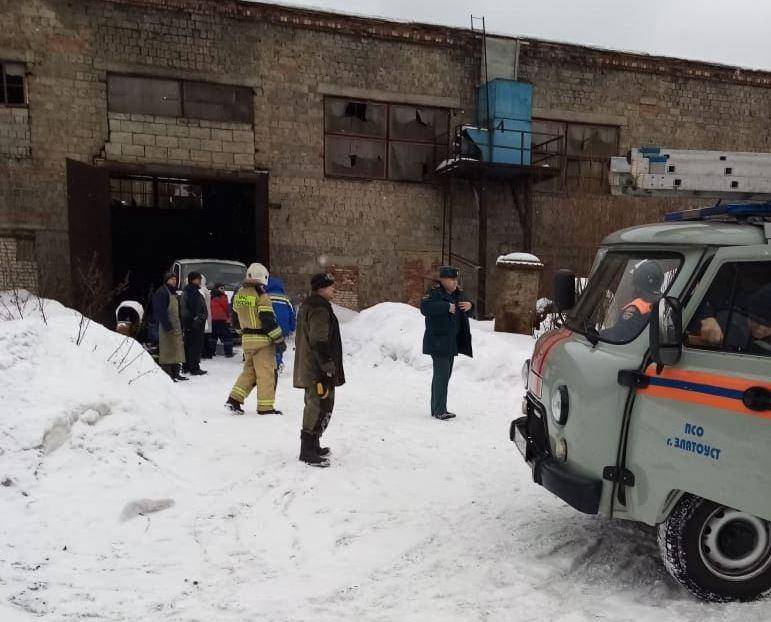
point(220, 321)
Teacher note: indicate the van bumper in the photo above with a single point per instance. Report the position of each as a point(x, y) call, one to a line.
point(581, 493)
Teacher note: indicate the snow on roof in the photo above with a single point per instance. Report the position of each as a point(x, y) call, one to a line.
point(523, 258)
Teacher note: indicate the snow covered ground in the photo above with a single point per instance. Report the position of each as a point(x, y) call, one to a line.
point(416, 519)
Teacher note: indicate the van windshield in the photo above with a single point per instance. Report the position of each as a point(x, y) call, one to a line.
point(616, 305)
point(232, 275)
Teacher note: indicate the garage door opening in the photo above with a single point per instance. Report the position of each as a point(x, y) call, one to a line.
point(156, 220)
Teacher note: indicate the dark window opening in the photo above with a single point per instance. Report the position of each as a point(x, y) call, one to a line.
point(179, 98)
point(383, 141)
point(217, 102)
point(12, 77)
point(587, 150)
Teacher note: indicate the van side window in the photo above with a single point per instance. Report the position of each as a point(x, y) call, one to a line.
point(735, 315)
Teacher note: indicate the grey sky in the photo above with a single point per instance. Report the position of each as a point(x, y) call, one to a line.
point(734, 32)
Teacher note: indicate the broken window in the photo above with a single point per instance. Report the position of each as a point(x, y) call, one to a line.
point(418, 124)
point(176, 194)
point(12, 91)
point(217, 102)
point(383, 141)
point(343, 116)
point(411, 161)
point(141, 95)
point(355, 157)
point(155, 192)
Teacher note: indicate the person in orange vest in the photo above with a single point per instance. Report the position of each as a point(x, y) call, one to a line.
point(647, 279)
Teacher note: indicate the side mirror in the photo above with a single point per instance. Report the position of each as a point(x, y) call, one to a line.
point(666, 331)
point(564, 290)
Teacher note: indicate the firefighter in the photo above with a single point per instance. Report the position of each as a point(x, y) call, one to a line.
point(318, 366)
point(261, 336)
point(448, 334)
point(647, 279)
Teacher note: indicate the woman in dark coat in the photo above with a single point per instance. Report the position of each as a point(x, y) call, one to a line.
point(171, 351)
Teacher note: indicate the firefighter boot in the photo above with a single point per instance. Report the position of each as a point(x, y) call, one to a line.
point(308, 451)
point(234, 406)
point(321, 451)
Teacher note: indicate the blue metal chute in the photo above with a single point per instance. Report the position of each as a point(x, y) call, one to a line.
point(723, 211)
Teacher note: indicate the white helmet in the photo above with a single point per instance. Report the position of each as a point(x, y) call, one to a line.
point(258, 273)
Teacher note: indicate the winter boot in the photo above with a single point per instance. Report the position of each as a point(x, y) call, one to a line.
point(321, 451)
point(177, 375)
point(198, 372)
point(271, 411)
point(234, 406)
point(443, 416)
point(169, 370)
point(308, 451)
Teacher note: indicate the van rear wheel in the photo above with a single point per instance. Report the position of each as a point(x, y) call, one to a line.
point(718, 553)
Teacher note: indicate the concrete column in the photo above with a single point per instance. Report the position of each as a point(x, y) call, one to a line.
point(517, 277)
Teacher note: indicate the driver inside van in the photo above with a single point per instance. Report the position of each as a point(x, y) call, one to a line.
point(748, 325)
point(647, 279)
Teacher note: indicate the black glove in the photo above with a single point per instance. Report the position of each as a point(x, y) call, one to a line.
point(281, 347)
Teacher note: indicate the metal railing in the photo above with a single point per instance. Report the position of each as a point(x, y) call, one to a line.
point(544, 150)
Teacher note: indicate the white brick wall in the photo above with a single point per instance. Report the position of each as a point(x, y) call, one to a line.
point(14, 132)
point(179, 141)
point(16, 274)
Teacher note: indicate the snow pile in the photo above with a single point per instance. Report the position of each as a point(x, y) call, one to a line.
point(515, 258)
point(391, 335)
point(57, 391)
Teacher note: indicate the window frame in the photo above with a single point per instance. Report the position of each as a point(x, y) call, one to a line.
point(3, 79)
point(155, 193)
point(566, 158)
point(575, 322)
point(734, 263)
point(386, 140)
point(183, 114)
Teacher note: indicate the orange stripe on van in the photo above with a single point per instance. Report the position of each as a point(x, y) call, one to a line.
point(715, 380)
point(705, 389)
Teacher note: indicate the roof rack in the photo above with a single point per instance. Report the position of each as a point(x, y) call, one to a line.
point(749, 212)
point(686, 173)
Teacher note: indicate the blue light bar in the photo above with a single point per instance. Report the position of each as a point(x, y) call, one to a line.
point(726, 210)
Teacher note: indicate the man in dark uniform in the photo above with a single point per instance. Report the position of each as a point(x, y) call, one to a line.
point(448, 334)
point(647, 279)
point(318, 366)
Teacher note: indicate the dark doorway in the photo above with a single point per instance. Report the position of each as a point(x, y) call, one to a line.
point(88, 192)
point(156, 220)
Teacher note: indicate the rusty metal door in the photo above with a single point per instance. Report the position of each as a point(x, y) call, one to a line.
point(88, 202)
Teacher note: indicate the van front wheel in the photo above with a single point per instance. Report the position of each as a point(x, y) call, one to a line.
point(716, 552)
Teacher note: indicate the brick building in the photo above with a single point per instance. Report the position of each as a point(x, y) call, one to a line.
point(133, 132)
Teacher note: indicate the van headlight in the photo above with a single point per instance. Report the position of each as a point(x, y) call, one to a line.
point(560, 405)
point(526, 373)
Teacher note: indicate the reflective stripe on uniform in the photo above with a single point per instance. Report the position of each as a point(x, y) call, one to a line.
point(238, 393)
point(253, 339)
point(275, 334)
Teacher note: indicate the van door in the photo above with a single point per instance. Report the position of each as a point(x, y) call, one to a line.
point(703, 426)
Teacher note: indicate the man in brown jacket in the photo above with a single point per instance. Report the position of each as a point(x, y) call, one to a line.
point(318, 366)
